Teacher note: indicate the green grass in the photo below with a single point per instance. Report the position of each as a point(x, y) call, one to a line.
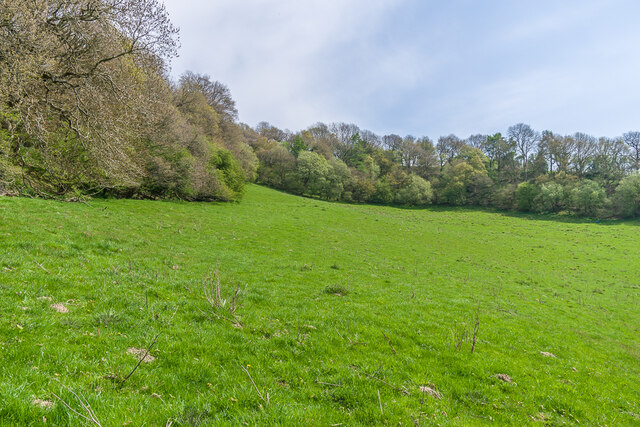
point(339, 303)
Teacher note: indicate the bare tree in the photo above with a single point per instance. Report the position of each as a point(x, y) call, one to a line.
point(477, 141)
point(346, 134)
point(370, 138)
point(218, 95)
point(632, 139)
point(525, 139)
point(448, 147)
point(392, 142)
point(609, 162)
point(271, 132)
point(583, 149)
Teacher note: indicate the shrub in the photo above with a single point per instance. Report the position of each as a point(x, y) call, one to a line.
point(551, 198)
point(383, 193)
point(588, 197)
point(416, 192)
point(229, 171)
point(526, 195)
point(627, 197)
point(505, 197)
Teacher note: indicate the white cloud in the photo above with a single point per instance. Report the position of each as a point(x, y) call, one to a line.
point(425, 68)
point(274, 55)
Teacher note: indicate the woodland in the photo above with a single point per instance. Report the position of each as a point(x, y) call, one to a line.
point(88, 108)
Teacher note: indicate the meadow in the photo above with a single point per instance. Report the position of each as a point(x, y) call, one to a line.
point(345, 314)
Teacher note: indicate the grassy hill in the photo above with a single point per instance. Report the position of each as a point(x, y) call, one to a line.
point(346, 314)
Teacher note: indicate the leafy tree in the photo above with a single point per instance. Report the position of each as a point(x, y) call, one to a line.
point(339, 182)
point(417, 191)
point(312, 169)
point(217, 94)
point(551, 198)
point(296, 145)
point(271, 132)
point(558, 149)
point(392, 142)
point(383, 192)
point(609, 163)
point(501, 155)
point(627, 196)
point(463, 177)
point(276, 166)
point(588, 197)
point(504, 197)
point(363, 188)
point(229, 172)
point(526, 195)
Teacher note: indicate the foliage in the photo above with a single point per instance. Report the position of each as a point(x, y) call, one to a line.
point(312, 170)
point(296, 145)
point(505, 197)
point(416, 192)
point(627, 196)
point(551, 198)
point(85, 107)
point(526, 195)
point(588, 197)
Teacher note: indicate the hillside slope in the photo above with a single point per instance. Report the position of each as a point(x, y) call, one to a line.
point(347, 314)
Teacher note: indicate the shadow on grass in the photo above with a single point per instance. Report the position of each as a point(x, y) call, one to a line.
point(559, 217)
point(568, 218)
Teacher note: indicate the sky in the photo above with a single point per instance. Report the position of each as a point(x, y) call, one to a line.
point(420, 67)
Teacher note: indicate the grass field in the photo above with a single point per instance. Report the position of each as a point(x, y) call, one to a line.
point(348, 314)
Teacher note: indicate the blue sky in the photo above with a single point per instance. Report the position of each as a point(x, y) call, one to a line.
point(425, 68)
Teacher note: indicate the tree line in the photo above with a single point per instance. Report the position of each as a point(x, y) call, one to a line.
point(87, 107)
point(525, 170)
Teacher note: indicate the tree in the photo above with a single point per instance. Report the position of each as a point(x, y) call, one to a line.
point(525, 140)
point(627, 196)
point(392, 142)
point(500, 153)
point(418, 156)
point(417, 191)
point(346, 135)
point(427, 163)
point(85, 77)
point(313, 170)
point(271, 132)
point(82, 75)
point(463, 177)
point(370, 139)
point(588, 197)
point(320, 139)
point(526, 195)
point(551, 198)
point(584, 147)
point(276, 165)
point(477, 141)
point(217, 94)
point(609, 162)
point(296, 145)
point(632, 139)
point(448, 147)
point(558, 150)
point(339, 182)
